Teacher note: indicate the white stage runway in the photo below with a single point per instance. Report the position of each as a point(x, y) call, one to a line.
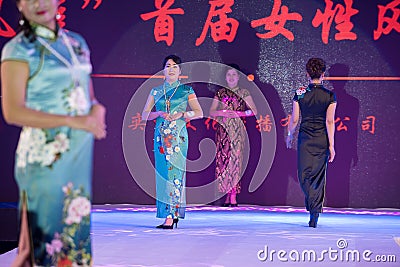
point(125, 235)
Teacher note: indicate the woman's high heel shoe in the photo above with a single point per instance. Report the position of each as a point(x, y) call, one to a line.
point(164, 226)
point(313, 220)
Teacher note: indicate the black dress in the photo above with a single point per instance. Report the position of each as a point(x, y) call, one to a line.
point(313, 143)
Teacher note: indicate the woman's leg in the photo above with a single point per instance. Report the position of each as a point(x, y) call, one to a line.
point(228, 198)
point(24, 249)
point(233, 196)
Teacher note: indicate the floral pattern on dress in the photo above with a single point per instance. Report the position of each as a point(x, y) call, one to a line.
point(36, 147)
point(167, 141)
point(75, 100)
point(168, 145)
point(302, 91)
point(175, 196)
point(63, 250)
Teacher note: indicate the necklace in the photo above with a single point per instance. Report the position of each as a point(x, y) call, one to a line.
point(168, 101)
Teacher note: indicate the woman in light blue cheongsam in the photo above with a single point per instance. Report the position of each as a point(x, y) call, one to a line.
point(47, 90)
point(170, 101)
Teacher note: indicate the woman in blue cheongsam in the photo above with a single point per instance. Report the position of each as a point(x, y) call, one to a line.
point(47, 90)
point(170, 101)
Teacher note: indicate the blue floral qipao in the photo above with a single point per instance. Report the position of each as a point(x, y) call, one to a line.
point(170, 151)
point(53, 167)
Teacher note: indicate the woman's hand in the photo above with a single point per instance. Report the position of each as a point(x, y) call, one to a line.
point(94, 122)
point(289, 140)
point(164, 115)
point(332, 153)
point(171, 117)
point(229, 113)
point(98, 112)
point(176, 116)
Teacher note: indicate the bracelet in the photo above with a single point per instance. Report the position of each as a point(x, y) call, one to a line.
point(248, 112)
point(183, 114)
point(190, 114)
point(94, 102)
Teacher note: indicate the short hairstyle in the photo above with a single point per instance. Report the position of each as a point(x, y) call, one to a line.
point(233, 66)
point(315, 67)
point(174, 58)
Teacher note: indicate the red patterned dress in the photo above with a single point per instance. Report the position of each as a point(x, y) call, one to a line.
point(230, 137)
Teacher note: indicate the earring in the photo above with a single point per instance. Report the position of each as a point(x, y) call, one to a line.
point(58, 16)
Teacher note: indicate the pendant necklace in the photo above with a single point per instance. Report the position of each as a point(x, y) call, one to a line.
point(168, 101)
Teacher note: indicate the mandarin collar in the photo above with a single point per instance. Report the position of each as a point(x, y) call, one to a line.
point(173, 85)
point(311, 85)
point(45, 32)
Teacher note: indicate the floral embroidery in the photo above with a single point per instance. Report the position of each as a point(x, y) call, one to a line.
point(36, 147)
point(301, 92)
point(76, 101)
point(76, 46)
point(175, 194)
point(168, 145)
point(168, 131)
point(76, 214)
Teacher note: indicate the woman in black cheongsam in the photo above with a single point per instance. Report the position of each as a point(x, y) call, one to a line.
point(316, 136)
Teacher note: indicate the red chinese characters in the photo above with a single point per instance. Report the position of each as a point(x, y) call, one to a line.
point(341, 126)
point(61, 13)
point(164, 25)
point(222, 28)
point(190, 126)
point(369, 124)
point(387, 24)
point(275, 23)
point(96, 5)
point(213, 124)
point(137, 122)
point(285, 121)
point(341, 15)
point(264, 123)
point(5, 28)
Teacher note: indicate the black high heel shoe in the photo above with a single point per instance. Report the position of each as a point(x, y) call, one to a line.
point(313, 220)
point(164, 226)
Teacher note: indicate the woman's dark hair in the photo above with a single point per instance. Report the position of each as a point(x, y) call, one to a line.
point(315, 67)
point(233, 66)
point(174, 58)
point(26, 27)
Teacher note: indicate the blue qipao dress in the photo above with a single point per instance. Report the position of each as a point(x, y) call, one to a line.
point(53, 167)
point(170, 150)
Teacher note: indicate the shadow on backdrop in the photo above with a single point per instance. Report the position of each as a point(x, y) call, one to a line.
point(347, 111)
point(245, 51)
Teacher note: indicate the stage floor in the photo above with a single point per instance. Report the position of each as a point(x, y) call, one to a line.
point(124, 235)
